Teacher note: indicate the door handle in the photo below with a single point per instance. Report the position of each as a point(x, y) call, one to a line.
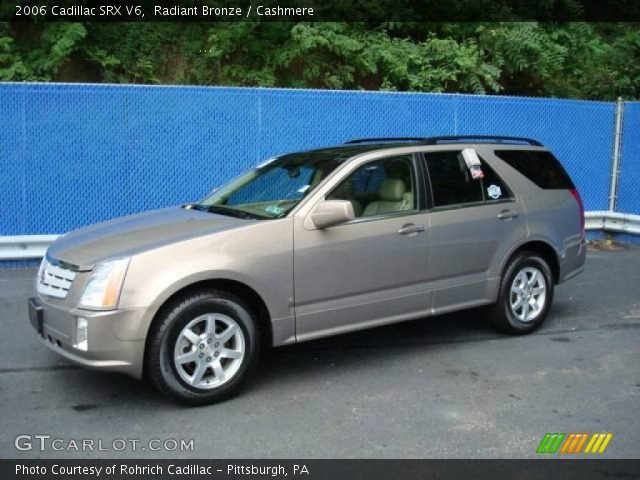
point(507, 214)
point(410, 228)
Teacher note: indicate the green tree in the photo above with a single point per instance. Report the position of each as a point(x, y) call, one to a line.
point(575, 60)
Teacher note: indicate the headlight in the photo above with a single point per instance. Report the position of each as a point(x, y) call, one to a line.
point(103, 288)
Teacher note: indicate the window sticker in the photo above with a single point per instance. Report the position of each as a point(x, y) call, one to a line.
point(476, 172)
point(473, 163)
point(494, 191)
point(274, 209)
point(470, 157)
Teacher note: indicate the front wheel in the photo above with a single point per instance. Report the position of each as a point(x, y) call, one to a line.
point(526, 293)
point(202, 349)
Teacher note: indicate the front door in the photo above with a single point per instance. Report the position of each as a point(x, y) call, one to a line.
point(369, 271)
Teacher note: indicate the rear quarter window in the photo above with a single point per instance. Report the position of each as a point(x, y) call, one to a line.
point(542, 168)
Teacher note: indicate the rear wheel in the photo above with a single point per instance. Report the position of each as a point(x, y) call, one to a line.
point(526, 293)
point(203, 348)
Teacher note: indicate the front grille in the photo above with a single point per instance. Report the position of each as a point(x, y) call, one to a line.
point(55, 281)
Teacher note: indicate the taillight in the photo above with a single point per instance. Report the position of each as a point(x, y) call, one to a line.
point(578, 198)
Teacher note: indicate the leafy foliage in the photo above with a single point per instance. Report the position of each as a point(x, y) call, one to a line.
point(576, 60)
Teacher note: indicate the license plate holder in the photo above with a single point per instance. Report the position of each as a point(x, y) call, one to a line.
point(36, 315)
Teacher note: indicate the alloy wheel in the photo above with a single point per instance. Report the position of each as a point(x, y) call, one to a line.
point(528, 294)
point(209, 351)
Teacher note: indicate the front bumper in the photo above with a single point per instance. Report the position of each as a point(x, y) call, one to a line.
point(57, 325)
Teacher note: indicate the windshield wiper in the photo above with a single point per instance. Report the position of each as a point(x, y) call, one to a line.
point(232, 212)
point(222, 210)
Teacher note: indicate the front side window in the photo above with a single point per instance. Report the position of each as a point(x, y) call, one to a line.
point(380, 187)
point(452, 183)
point(272, 189)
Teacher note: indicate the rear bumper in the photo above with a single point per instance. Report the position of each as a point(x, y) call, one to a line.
point(572, 262)
point(105, 350)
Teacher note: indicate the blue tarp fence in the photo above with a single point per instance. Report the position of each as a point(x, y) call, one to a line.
point(76, 154)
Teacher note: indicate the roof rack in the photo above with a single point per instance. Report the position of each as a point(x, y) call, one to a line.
point(385, 139)
point(451, 139)
point(464, 138)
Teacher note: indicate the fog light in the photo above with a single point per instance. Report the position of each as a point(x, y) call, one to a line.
point(82, 334)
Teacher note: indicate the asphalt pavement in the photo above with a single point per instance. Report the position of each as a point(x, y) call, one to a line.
point(441, 387)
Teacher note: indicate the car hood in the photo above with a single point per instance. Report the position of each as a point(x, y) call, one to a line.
point(127, 236)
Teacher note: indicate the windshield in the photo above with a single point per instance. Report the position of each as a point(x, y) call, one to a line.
point(272, 189)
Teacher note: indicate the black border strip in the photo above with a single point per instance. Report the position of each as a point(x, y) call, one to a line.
point(543, 469)
point(324, 10)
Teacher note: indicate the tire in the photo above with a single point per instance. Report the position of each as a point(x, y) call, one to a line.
point(202, 348)
point(512, 313)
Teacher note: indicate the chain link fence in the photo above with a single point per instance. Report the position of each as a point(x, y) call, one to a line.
point(74, 154)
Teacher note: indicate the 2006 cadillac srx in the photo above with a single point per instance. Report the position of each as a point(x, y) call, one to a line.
point(312, 244)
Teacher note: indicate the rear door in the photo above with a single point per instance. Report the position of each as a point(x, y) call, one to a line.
point(472, 225)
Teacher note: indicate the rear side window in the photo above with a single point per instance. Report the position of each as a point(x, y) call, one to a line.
point(542, 168)
point(452, 184)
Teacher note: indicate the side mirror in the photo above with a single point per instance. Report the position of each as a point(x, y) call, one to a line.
point(332, 212)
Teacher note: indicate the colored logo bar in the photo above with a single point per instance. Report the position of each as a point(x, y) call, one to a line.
point(550, 443)
point(598, 443)
point(574, 443)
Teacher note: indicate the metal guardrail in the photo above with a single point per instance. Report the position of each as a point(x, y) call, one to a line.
point(613, 222)
point(25, 247)
point(28, 247)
